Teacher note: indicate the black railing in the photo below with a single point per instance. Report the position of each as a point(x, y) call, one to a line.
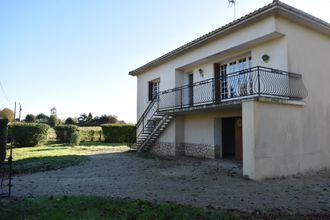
point(249, 83)
point(143, 121)
point(253, 82)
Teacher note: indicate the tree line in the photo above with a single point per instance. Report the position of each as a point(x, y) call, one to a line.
point(83, 120)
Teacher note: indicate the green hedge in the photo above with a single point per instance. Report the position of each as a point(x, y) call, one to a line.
point(3, 138)
point(29, 134)
point(64, 132)
point(75, 138)
point(116, 133)
point(90, 133)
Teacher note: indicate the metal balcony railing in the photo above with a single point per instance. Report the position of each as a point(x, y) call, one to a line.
point(249, 83)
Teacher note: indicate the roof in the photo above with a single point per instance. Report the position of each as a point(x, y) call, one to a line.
point(275, 6)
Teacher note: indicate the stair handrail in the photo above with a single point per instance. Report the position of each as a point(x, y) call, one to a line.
point(132, 135)
point(155, 130)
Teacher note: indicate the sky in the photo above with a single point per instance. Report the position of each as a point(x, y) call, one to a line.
point(76, 54)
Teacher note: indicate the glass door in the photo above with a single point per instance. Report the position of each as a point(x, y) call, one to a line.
point(236, 79)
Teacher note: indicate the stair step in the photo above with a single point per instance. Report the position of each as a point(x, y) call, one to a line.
point(153, 129)
point(149, 128)
point(146, 133)
point(157, 116)
point(160, 114)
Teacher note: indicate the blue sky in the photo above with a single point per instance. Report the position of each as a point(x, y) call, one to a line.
point(76, 54)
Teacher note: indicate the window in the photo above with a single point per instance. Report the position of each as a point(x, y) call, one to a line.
point(236, 77)
point(224, 83)
point(242, 64)
point(153, 89)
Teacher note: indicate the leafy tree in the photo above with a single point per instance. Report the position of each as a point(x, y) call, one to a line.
point(30, 118)
point(90, 116)
point(70, 121)
point(7, 113)
point(107, 119)
point(85, 120)
point(82, 119)
point(42, 117)
point(112, 119)
point(88, 120)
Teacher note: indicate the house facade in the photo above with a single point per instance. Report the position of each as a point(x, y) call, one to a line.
point(254, 90)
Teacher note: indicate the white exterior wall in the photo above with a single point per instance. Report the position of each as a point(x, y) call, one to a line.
point(199, 127)
point(301, 133)
point(167, 71)
point(193, 132)
point(171, 77)
point(202, 133)
point(277, 51)
point(271, 139)
point(278, 139)
point(309, 54)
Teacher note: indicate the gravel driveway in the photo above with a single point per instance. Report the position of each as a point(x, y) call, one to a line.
point(211, 183)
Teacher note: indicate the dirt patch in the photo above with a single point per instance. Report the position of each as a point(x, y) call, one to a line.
point(205, 183)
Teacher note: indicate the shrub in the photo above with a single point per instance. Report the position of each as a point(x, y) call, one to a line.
point(116, 133)
point(3, 138)
point(75, 138)
point(64, 132)
point(29, 134)
point(30, 118)
point(90, 133)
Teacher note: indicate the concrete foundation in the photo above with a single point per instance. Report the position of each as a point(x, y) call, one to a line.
point(200, 150)
point(184, 149)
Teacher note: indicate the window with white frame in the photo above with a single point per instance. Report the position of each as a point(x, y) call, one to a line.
point(236, 79)
point(153, 89)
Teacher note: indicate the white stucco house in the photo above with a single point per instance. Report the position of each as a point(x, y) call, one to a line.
point(256, 90)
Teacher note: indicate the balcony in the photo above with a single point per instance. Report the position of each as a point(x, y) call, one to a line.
point(250, 83)
point(226, 89)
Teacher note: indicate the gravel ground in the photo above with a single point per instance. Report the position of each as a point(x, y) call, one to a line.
point(205, 183)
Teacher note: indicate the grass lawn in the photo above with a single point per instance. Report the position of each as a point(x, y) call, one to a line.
point(90, 207)
point(103, 208)
point(55, 156)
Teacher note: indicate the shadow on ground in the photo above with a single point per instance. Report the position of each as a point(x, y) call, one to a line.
point(101, 144)
point(39, 164)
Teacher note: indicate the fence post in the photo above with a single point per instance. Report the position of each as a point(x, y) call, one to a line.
point(258, 81)
point(158, 101)
point(213, 89)
point(181, 96)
